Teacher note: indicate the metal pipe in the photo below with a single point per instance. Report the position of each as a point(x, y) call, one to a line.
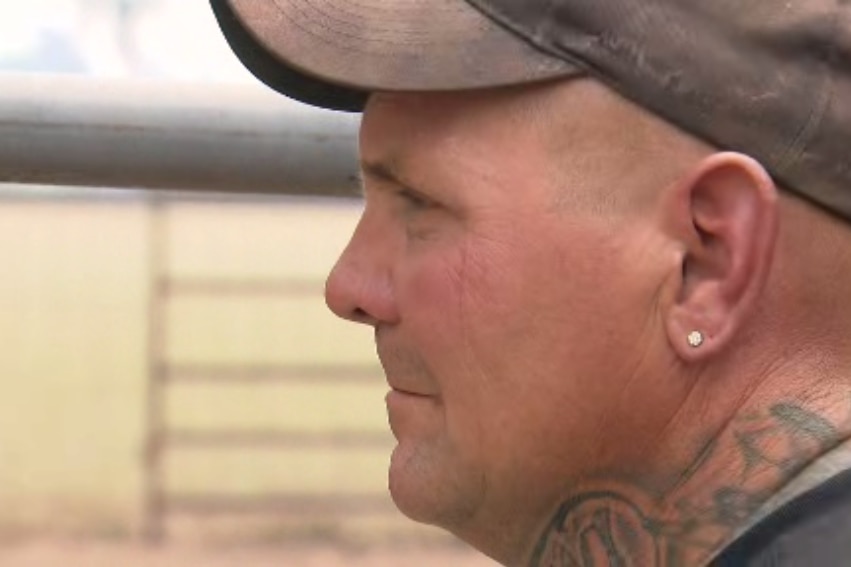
point(141, 134)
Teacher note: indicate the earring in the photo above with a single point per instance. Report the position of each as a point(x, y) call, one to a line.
point(695, 339)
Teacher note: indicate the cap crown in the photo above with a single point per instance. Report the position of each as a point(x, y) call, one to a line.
point(770, 78)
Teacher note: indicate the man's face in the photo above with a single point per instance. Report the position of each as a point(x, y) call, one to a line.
point(507, 291)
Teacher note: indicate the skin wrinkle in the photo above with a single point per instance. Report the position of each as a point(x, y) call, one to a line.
point(637, 365)
point(672, 427)
point(667, 430)
point(478, 371)
point(481, 372)
point(473, 367)
point(715, 438)
point(633, 377)
point(685, 413)
point(460, 280)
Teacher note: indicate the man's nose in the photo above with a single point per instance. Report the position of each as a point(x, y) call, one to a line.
point(360, 286)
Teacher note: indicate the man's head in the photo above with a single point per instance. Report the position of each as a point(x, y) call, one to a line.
point(533, 260)
point(535, 257)
point(508, 259)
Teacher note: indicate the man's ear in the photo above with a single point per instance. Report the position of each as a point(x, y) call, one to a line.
point(726, 218)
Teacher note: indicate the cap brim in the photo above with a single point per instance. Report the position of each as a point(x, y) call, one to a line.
point(334, 53)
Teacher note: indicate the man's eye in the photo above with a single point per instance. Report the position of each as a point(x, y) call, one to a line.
point(414, 200)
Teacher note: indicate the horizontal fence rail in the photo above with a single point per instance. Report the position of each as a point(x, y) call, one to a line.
point(79, 131)
point(280, 287)
point(241, 374)
point(278, 439)
point(167, 438)
point(294, 504)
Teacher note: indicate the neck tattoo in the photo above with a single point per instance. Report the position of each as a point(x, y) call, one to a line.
point(621, 526)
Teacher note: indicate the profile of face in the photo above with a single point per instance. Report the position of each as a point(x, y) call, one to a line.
point(507, 260)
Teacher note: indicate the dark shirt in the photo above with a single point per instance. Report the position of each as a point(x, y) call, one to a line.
point(812, 530)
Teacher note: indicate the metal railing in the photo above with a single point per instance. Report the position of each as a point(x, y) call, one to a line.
point(140, 134)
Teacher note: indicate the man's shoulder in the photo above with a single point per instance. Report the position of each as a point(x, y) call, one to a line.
point(812, 529)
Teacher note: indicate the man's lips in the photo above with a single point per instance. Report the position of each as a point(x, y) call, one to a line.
point(398, 399)
point(409, 391)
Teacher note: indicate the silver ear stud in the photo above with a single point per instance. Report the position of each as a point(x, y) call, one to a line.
point(695, 339)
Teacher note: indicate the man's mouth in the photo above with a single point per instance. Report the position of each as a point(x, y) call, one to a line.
point(405, 392)
point(408, 389)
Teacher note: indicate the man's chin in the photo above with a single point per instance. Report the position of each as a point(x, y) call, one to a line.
point(409, 489)
point(427, 492)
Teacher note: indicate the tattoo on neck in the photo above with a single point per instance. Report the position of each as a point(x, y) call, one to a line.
point(621, 526)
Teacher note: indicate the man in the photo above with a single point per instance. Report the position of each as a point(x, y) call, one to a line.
point(606, 251)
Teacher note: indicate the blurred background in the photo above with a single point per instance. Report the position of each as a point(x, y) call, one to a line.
point(174, 391)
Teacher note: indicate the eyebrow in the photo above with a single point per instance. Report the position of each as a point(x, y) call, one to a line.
point(384, 171)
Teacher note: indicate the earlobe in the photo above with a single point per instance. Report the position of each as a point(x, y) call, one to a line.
point(727, 209)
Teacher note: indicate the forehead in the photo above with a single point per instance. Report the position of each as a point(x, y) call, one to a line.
point(395, 122)
point(575, 137)
point(463, 147)
point(563, 118)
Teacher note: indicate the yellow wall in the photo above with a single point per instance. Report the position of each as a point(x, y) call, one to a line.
point(74, 298)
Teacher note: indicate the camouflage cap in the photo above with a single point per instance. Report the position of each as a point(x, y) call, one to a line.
point(769, 78)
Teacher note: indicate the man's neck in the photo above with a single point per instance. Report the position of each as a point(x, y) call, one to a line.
point(730, 478)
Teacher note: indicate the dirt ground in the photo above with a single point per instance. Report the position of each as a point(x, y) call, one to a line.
point(71, 554)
